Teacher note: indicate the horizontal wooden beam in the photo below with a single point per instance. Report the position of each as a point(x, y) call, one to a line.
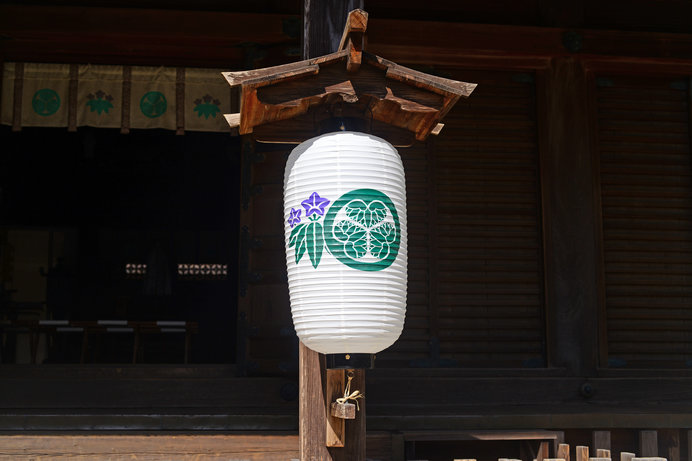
point(145, 36)
point(21, 21)
point(198, 446)
point(448, 43)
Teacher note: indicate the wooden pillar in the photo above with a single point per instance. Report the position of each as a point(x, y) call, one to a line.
point(648, 444)
point(323, 25)
point(571, 254)
point(669, 442)
point(601, 441)
point(311, 412)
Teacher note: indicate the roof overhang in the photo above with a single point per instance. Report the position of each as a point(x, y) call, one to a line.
point(288, 103)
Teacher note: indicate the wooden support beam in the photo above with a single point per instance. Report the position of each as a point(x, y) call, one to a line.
point(569, 236)
point(335, 426)
point(311, 412)
point(601, 441)
point(648, 444)
point(669, 441)
point(143, 36)
point(354, 445)
point(582, 453)
point(543, 451)
point(563, 451)
point(353, 39)
point(322, 21)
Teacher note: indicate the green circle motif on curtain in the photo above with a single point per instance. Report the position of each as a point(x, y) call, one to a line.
point(45, 102)
point(153, 104)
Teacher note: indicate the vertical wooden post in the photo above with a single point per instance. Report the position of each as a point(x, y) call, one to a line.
point(335, 426)
point(314, 407)
point(648, 444)
point(669, 441)
point(569, 236)
point(311, 406)
point(354, 445)
point(563, 451)
point(543, 451)
point(323, 26)
point(601, 441)
point(582, 453)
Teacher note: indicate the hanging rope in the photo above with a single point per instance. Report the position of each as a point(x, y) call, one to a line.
point(348, 395)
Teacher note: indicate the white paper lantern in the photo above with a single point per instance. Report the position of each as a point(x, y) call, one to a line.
point(346, 252)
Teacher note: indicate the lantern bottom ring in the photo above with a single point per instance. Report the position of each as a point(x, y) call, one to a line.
point(351, 361)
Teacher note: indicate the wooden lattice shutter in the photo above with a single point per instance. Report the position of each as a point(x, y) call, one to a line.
point(646, 194)
point(414, 343)
point(489, 297)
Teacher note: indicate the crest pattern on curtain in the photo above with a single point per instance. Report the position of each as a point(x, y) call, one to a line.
point(73, 95)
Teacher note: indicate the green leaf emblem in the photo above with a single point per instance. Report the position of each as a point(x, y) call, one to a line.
point(99, 102)
point(315, 242)
point(45, 102)
point(362, 230)
point(308, 238)
point(207, 106)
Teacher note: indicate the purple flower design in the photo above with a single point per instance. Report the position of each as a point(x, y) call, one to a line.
point(315, 204)
point(294, 216)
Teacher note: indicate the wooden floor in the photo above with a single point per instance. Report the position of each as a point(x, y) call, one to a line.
point(149, 447)
point(169, 447)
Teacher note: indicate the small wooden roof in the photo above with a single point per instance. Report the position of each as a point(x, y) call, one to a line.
point(288, 103)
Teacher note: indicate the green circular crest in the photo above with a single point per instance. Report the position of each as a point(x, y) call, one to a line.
point(153, 104)
point(45, 102)
point(362, 230)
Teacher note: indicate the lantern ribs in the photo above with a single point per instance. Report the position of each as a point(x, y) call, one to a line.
point(287, 103)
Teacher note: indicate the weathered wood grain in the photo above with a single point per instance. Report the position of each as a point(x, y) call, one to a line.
point(335, 422)
point(648, 444)
point(149, 447)
point(312, 414)
point(353, 39)
point(563, 451)
point(601, 441)
point(582, 453)
point(569, 236)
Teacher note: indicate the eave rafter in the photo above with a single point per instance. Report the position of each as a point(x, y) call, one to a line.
point(286, 103)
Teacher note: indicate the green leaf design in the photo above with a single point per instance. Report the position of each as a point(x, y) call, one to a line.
point(315, 242)
point(353, 237)
point(362, 230)
point(366, 214)
point(99, 105)
point(301, 244)
point(294, 234)
point(206, 110)
point(381, 239)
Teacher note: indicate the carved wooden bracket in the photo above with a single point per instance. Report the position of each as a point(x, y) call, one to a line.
point(288, 103)
point(353, 39)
